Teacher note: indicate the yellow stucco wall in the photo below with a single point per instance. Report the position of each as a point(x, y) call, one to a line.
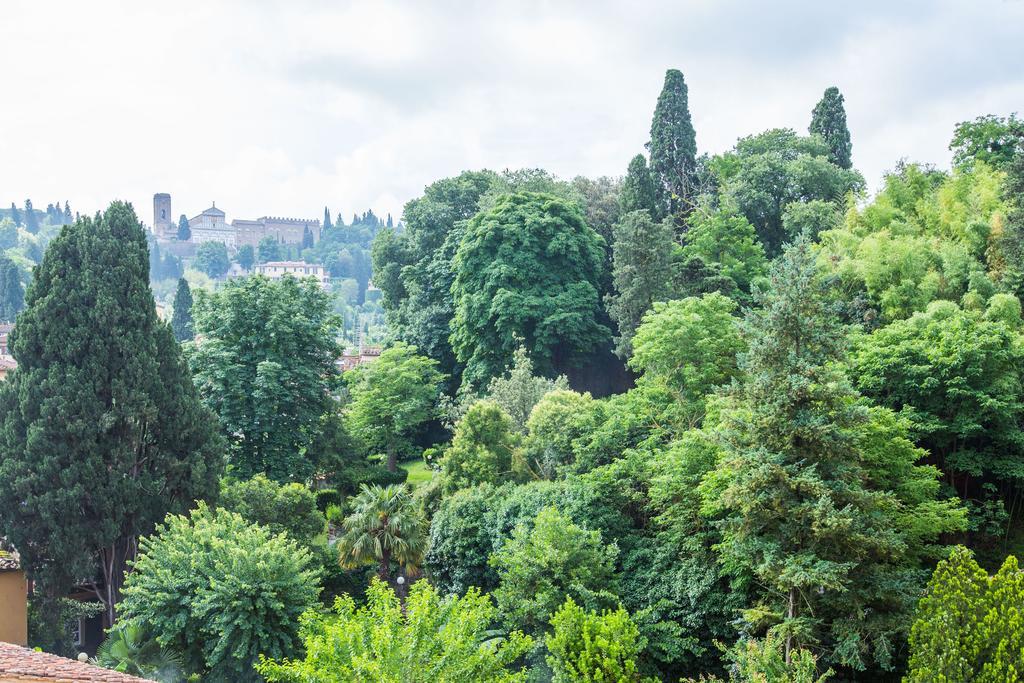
point(13, 608)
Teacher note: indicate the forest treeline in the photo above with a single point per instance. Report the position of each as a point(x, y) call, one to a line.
point(727, 417)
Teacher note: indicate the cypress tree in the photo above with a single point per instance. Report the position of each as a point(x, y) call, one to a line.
point(673, 146)
point(15, 215)
point(327, 220)
point(829, 121)
point(12, 299)
point(31, 220)
point(101, 428)
point(639, 192)
point(184, 230)
point(181, 320)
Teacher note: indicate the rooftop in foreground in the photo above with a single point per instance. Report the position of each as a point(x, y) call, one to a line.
point(19, 664)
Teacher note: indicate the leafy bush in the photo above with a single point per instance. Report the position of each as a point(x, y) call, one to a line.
point(220, 592)
point(431, 640)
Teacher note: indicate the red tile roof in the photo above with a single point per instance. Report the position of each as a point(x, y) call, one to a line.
point(22, 664)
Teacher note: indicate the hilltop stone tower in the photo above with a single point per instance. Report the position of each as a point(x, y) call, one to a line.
point(163, 221)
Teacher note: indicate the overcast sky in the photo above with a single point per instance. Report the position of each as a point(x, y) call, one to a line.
point(282, 107)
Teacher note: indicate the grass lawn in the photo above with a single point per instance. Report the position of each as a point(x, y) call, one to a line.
point(419, 473)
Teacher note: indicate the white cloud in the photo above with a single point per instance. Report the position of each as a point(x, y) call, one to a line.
point(274, 107)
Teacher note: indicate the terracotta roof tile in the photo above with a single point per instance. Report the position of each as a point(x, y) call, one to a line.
point(20, 663)
point(9, 562)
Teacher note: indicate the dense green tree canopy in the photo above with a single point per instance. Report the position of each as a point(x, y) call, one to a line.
point(642, 273)
point(102, 402)
point(482, 449)
point(588, 647)
point(529, 266)
point(281, 508)
point(956, 377)
point(212, 259)
point(392, 401)
point(639, 190)
point(992, 139)
point(768, 172)
point(265, 363)
point(221, 591)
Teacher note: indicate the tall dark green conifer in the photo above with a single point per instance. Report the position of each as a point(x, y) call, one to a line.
point(102, 429)
point(12, 299)
point(804, 483)
point(31, 220)
point(829, 121)
point(181, 320)
point(184, 230)
point(673, 146)
point(639, 191)
point(15, 214)
point(327, 220)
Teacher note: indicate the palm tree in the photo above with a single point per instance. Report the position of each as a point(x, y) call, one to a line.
point(131, 649)
point(385, 525)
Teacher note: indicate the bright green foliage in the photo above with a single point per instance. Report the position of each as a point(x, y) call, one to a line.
point(811, 218)
point(482, 450)
point(432, 639)
point(725, 241)
point(282, 508)
point(12, 298)
point(519, 390)
point(385, 526)
point(129, 648)
point(1006, 252)
point(969, 625)
point(925, 236)
point(212, 259)
point(673, 146)
point(528, 266)
point(103, 432)
point(639, 189)
point(806, 508)
point(829, 121)
point(756, 660)
point(392, 399)
point(268, 250)
point(8, 234)
point(990, 138)
point(768, 172)
point(220, 592)
point(591, 647)
point(641, 272)
point(957, 378)
point(265, 366)
point(246, 256)
point(690, 344)
point(546, 561)
point(181, 319)
point(557, 421)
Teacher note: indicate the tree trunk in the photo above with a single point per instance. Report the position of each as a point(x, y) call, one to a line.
point(384, 571)
point(392, 461)
point(791, 614)
point(114, 560)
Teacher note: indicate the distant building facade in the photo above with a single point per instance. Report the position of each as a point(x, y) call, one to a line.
point(212, 226)
point(275, 270)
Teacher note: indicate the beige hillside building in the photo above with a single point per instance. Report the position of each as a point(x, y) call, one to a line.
point(212, 226)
